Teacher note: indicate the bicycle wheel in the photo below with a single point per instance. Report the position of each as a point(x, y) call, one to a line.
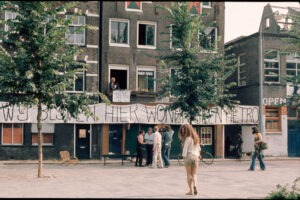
point(207, 158)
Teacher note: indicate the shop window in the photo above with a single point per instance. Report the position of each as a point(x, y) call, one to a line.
point(272, 123)
point(146, 34)
point(119, 32)
point(12, 134)
point(145, 79)
point(271, 66)
point(47, 131)
point(76, 33)
point(242, 70)
point(133, 6)
point(206, 135)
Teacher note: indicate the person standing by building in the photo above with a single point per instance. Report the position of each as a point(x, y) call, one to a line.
point(257, 151)
point(113, 85)
point(149, 146)
point(191, 154)
point(140, 142)
point(157, 149)
point(166, 146)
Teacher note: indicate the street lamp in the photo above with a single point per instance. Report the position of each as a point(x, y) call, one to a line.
point(261, 73)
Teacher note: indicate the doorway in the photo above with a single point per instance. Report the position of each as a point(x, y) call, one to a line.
point(83, 141)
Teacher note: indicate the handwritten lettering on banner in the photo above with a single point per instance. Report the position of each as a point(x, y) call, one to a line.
point(133, 113)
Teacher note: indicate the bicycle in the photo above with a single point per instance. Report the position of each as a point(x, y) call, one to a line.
point(206, 158)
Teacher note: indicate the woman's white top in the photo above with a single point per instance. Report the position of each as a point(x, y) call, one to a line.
point(189, 147)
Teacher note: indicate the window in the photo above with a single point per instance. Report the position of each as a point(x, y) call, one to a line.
point(205, 135)
point(12, 134)
point(133, 5)
point(208, 39)
point(174, 37)
point(206, 4)
point(293, 113)
point(78, 84)
point(195, 7)
point(271, 66)
point(272, 119)
point(76, 33)
point(145, 79)
point(120, 72)
point(293, 64)
point(242, 72)
point(146, 34)
point(47, 131)
point(9, 15)
point(267, 22)
point(119, 32)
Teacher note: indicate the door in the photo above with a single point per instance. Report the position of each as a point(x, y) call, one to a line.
point(293, 138)
point(115, 138)
point(83, 141)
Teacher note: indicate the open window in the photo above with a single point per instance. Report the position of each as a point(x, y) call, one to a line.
point(120, 73)
point(146, 34)
point(271, 66)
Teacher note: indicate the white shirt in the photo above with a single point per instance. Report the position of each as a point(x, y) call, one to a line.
point(189, 147)
point(149, 138)
point(156, 140)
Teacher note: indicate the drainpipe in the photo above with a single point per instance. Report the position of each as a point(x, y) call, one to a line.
point(100, 46)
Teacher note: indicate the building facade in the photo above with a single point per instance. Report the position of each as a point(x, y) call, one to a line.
point(264, 57)
point(126, 32)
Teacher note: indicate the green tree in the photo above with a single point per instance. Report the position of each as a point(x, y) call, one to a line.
point(294, 45)
point(199, 79)
point(39, 66)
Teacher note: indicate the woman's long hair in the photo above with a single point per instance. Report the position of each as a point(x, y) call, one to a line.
point(187, 130)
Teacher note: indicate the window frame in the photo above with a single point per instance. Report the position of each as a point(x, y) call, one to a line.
point(14, 15)
point(244, 71)
point(206, 6)
point(149, 69)
point(119, 20)
point(47, 129)
point(205, 50)
point(276, 60)
point(154, 34)
point(273, 119)
point(134, 10)
point(80, 73)
point(118, 67)
point(75, 26)
point(12, 134)
point(293, 61)
point(205, 130)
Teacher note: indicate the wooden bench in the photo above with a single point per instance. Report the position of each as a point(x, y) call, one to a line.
point(117, 156)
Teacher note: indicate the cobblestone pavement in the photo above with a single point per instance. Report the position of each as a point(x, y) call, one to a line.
point(227, 179)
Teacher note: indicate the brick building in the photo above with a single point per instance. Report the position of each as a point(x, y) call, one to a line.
point(281, 128)
point(126, 31)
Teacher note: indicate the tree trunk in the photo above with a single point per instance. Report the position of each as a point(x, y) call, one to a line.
point(40, 140)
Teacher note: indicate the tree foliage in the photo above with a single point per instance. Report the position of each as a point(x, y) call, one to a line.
point(36, 63)
point(199, 79)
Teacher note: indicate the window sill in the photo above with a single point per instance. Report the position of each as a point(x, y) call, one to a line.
point(274, 133)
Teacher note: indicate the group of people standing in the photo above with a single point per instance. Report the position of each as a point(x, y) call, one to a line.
point(158, 146)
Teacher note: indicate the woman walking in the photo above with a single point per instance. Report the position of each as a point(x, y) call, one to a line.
point(191, 153)
point(257, 151)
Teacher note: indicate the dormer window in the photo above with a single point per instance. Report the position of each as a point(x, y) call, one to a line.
point(133, 6)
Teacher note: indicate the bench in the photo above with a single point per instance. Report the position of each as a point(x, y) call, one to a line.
point(117, 156)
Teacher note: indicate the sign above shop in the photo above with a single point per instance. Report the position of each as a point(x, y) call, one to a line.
point(131, 113)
